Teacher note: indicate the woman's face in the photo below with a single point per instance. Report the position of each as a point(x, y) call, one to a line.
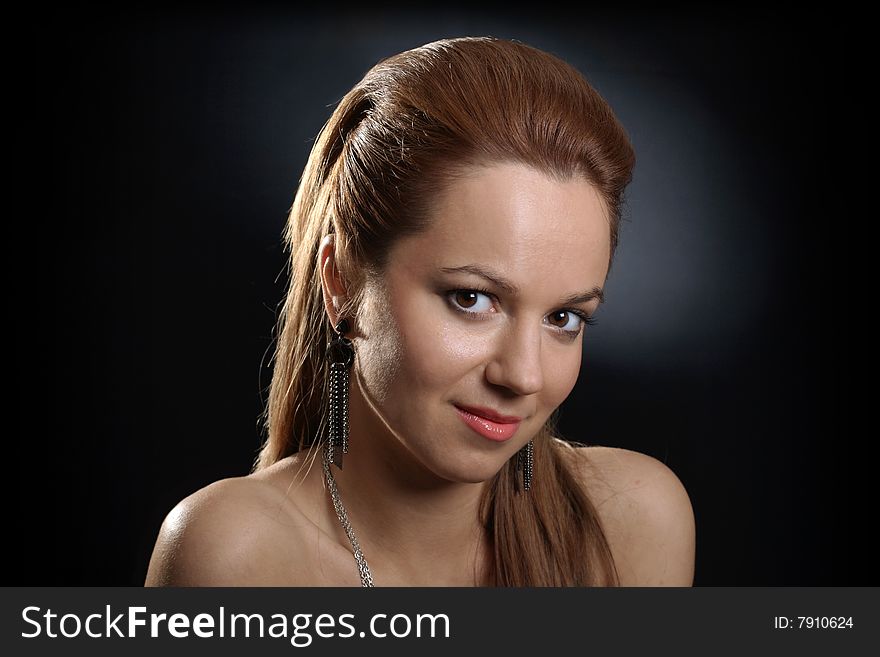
point(432, 338)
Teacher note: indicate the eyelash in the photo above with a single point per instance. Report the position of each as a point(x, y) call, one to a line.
point(585, 319)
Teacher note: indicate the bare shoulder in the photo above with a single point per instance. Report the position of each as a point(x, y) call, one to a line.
point(225, 534)
point(646, 512)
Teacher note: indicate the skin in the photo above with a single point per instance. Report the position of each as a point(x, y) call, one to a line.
point(415, 472)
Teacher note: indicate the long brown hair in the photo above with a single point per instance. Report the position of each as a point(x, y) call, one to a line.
point(415, 122)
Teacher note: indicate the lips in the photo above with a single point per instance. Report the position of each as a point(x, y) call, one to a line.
point(490, 414)
point(495, 430)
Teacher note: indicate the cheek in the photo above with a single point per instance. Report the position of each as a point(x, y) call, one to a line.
point(437, 351)
point(560, 367)
point(560, 378)
point(411, 346)
point(380, 353)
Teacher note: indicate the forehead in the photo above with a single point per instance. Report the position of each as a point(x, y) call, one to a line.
point(531, 228)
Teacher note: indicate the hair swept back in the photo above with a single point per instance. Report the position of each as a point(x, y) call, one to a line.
point(404, 132)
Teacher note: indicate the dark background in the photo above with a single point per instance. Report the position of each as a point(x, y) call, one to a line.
point(167, 151)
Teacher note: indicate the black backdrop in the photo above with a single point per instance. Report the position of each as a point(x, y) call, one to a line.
point(168, 148)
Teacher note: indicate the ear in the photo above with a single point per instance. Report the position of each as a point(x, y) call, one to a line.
point(331, 282)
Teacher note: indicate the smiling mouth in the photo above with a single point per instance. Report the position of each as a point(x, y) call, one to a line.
point(490, 429)
point(490, 414)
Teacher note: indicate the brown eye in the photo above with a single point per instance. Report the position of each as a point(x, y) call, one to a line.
point(468, 298)
point(564, 315)
point(582, 319)
point(468, 301)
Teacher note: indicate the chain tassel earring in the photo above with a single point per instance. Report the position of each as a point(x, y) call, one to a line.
point(341, 355)
point(524, 460)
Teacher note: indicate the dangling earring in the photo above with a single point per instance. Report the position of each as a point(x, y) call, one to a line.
point(341, 356)
point(524, 460)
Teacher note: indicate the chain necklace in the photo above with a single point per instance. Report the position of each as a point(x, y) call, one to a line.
point(363, 568)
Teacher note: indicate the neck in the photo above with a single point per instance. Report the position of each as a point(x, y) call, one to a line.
point(413, 526)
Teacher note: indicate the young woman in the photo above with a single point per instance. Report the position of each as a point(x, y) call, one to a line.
point(450, 240)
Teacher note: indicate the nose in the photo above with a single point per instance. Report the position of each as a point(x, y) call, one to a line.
point(516, 363)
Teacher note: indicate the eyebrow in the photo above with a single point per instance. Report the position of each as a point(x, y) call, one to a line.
point(510, 288)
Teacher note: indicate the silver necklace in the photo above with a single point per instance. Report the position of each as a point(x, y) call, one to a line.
point(363, 568)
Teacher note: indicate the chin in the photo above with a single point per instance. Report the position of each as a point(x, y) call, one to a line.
point(474, 473)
